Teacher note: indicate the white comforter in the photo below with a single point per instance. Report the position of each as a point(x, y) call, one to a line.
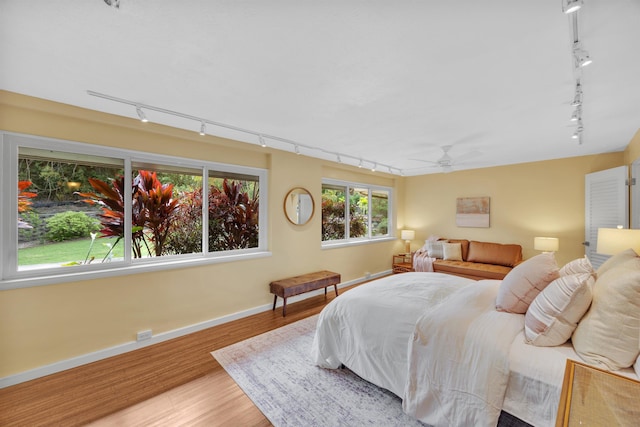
point(459, 359)
point(364, 329)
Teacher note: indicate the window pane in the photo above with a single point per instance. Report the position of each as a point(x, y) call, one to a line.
point(333, 212)
point(166, 210)
point(379, 213)
point(358, 212)
point(57, 226)
point(233, 211)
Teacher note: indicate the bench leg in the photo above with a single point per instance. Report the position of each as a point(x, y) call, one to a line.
point(334, 287)
point(284, 307)
point(275, 298)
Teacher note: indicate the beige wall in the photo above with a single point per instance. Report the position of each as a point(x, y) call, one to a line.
point(527, 200)
point(46, 324)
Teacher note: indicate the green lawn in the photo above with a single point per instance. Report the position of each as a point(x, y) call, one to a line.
point(69, 251)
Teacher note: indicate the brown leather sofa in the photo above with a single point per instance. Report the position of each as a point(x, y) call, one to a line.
point(481, 260)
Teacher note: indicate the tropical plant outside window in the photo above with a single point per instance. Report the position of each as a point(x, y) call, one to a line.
point(72, 208)
point(367, 214)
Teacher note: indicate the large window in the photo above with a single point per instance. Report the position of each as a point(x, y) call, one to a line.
point(72, 208)
point(354, 212)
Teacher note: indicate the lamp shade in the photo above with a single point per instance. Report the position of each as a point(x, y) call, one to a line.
point(547, 244)
point(407, 234)
point(615, 240)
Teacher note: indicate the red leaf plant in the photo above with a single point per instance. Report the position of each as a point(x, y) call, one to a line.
point(24, 202)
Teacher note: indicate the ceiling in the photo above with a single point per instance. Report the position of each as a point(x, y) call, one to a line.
point(388, 82)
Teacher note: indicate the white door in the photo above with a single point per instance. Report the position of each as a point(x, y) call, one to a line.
point(606, 206)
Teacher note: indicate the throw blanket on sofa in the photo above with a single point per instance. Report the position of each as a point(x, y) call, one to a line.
point(422, 262)
point(459, 359)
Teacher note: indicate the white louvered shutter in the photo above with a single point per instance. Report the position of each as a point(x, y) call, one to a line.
point(606, 206)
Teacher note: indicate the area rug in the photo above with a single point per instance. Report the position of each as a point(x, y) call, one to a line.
point(276, 372)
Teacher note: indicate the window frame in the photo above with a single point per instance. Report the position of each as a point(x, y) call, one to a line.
point(349, 241)
point(12, 277)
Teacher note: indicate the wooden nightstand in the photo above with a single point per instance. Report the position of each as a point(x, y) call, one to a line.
point(402, 263)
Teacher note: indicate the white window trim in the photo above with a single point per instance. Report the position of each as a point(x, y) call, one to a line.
point(330, 244)
point(12, 278)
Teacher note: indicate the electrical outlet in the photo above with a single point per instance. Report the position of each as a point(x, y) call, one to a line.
point(144, 335)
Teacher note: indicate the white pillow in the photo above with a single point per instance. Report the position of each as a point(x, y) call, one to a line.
point(452, 251)
point(608, 335)
point(577, 266)
point(555, 312)
point(435, 249)
point(525, 281)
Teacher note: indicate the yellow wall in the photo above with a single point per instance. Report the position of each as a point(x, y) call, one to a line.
point(46, 324)
point(632, 152)
point(527, 200)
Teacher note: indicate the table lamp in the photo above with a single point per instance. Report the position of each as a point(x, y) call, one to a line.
point(546, 244)
point(407, 236)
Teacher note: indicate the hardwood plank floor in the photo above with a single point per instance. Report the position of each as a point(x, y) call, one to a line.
point(176, 382)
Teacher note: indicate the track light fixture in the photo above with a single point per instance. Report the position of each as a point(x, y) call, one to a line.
point(577, 98)
point(577, 114)
point(581, 56)
point(373, 168)
point(340, 157)
point(141, 115)
point(571, 6)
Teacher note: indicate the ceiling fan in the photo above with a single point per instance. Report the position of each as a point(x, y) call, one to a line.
point(446, 162)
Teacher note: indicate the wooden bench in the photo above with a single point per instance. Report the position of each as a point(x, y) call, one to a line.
point(297, 285)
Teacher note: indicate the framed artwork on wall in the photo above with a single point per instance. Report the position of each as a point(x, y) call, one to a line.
point(472, 212)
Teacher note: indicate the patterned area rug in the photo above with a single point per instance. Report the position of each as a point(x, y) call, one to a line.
point(276, 372)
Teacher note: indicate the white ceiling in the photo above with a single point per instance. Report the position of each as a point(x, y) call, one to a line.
point(386, 81)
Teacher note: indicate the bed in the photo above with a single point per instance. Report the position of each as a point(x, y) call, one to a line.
point(438, 342)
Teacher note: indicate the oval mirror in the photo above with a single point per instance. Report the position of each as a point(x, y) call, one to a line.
point(298, 206)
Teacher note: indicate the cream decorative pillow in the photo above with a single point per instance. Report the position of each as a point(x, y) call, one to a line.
point(555, 312)
point(608, 335)
point(452, 251)
point(616, 260)
point(577, 266)
point(435, 249)
point(522, 284)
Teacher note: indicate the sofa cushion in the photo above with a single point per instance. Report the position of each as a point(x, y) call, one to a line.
point(452, 251)
point(471, 270)
point(434, 248)
point(464, 246)
point(494, 253)
point(519, 288)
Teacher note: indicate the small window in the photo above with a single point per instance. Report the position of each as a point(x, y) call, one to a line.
point(367, 215)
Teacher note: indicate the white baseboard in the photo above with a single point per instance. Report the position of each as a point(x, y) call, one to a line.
point(84, 359)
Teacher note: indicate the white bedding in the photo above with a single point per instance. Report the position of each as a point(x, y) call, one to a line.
point(437, 341)
point(459, 359)
point(364, 329)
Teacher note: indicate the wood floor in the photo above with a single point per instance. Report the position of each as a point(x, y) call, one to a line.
point(176, 382)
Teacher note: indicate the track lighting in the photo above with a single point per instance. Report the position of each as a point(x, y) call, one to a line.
point(141, 115)
point(373, 168)
point(577, 113)
point(577, 98)
point(261, 137)
point(571, 6)
point(581, 56)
